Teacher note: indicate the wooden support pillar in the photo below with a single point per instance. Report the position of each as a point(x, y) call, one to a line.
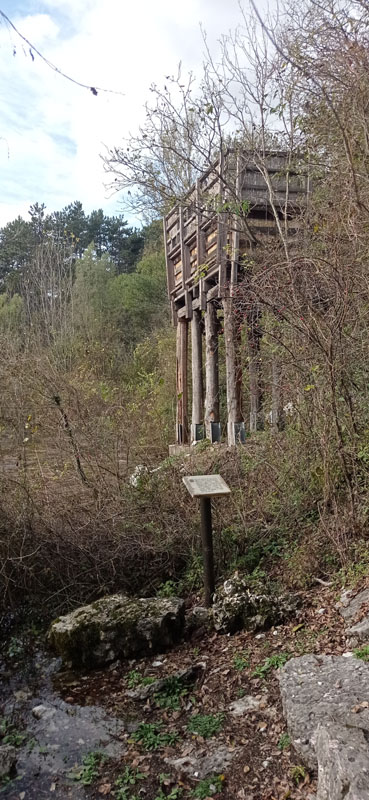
point(212, 418)
point(256, 393)
point(197, 427)
point(182, 391)
point(235, 425)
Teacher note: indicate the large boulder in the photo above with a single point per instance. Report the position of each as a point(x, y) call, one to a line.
point(327, 710)
point(236, 607)
point(117, 627)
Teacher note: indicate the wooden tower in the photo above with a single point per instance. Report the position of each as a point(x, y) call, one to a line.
point(233, 206)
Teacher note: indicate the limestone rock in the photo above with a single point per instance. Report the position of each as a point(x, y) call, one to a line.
point(200, 765)
point(355, 611)
point(343, 759)
point(325, 703)
point(245, 705)
point(117, 627)
point(315, 689)
point(197, 618)
point(236, 607)
point(8, 758)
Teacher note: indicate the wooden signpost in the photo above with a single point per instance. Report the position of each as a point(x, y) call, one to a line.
point(205, 487)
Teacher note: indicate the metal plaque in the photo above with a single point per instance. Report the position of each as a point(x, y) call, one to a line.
point(205, 485)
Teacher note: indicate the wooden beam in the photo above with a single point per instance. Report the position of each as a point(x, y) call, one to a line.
point(185, 253)
point(197, 377)
point(233, 372)
point(211, 369)
point(182, 390)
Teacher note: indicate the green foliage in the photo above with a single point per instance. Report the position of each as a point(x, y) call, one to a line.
point(135, 679)
point(9, 733)
point(298, 773)
point(241, 661)
point(273, 662)
point(362, 652)
point(208, 787)
point(170, 694)
point(284, 741)
point(151, 736)
point(167, 589)
point(206, 725)
point(123, 784)
point(90, 769)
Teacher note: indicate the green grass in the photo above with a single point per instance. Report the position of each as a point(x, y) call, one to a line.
point(125, 782)
point(284, 742)
point(205, 725)
point(298, 774)
point(151, 736)
point(273, 662)
point(10, 735)
point(362, 652)
point(90, 768)
point(169, 696)
point(241, 661)
point(208, 787)
point(135, 679)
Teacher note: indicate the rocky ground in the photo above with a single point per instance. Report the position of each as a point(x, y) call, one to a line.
point(203, 720)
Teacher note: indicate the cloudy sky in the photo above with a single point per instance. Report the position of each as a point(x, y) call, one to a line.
point(53, 132)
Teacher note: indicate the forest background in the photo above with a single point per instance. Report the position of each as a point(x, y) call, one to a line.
point(88, 351)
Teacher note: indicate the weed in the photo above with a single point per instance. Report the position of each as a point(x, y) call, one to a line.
point(284, 742)
point(167, 589)
point(135, 679)
point(90, 768)
point(241, 662)
point(10, 735)
point(208, 787)
point(205, 725)
point(273, 662)
point(124, 782)
point(362, 652)
point(151, 737)
point(298, 773)
point(174, 794)
point(170, 694)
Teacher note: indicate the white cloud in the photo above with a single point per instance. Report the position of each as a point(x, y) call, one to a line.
point(54, 130)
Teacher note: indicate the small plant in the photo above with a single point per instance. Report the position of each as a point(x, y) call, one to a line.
point(205, 725)
point(90, 769)
point(170, 694)
point(135, 679)
point(174, 794)
point(151, 737)
point(273, 662)
point(208, 787)
point(241, 661)
point(362, 652)
point(298, 773)
point(167, 589)
point(284, 742)
point(10, 735)
point(124, 783)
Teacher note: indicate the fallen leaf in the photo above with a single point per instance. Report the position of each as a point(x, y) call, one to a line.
point(105, 788)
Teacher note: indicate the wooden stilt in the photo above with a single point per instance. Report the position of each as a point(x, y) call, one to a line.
point(182, 391)
point(197, 380)
point(234, 374)
point(256, 394)
point(212, 371)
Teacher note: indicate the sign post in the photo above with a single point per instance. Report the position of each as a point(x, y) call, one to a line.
point(205, 487)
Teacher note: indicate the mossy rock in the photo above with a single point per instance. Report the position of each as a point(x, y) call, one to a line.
point(237, 608)
point(117, 627)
